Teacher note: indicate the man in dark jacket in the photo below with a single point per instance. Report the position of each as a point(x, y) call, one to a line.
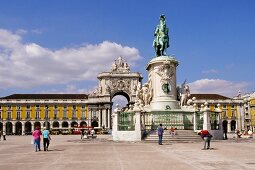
point(160, 132)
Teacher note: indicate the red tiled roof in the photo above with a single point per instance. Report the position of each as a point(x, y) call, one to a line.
point(208, 97)
point(46, 96)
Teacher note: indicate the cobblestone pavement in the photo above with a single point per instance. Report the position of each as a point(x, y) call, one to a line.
point(69, 152)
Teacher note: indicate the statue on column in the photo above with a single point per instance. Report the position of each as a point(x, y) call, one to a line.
point(185, 93)
point(161, 38)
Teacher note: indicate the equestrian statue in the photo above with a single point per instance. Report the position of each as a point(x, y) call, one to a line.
point(161, 38)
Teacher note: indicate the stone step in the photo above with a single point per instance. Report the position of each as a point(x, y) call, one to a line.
point(184, 136)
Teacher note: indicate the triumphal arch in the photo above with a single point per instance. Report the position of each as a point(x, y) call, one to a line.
point(119, 81)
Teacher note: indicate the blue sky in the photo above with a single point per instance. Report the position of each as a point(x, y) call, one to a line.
point(60, 46)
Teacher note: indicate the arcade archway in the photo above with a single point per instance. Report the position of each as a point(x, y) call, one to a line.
point(8, 128)
point(74, 124)
point(65, 124)
point(233, 125)
point(37, 125)
point(83, 124)
point(225, 125)
point(18, 128)
point(28, 127)
point(55, 124)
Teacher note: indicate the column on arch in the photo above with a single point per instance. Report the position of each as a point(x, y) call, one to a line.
point(13, 127)
point(89, 117)
point(23, 128)
point(104, 117)
point(100, 118)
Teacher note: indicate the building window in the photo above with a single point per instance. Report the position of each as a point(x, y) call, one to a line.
point(55, 114)
point(37, 106)
point(74, 114)
point(18, 107)
point(65, 106)
point(83, 114)
point(18, 116)
point(9, 115)
point(74, 107)
point(233, 114)
point(28, 115)
point(46, 114)
point(233, 106)
point(83, 106)
point(37, 115)
point(46, 107)
point(224, 106)
point(28, 107)
point(94, 113)
point(224, 114)
point(65, 114)
point(9, 107)
point(55, 106)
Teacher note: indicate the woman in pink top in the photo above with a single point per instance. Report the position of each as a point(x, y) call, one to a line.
point(37, 135)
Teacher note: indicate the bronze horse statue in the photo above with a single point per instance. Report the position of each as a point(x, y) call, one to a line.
point(161, 38)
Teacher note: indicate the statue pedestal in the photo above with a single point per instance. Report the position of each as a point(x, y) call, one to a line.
point(162, 79)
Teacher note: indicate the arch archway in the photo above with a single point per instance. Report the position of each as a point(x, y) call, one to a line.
point(83, 124)
point(225, 125)
point(28, 127)
point(74, 124)
point(94, 123)
point(1, 126)
point(233, 125)
point(121, 98)
point(65, 124)
point(18, 128)
point(8, 128)
point(46, 124)
point(55, 124)
point(37, 124)
point(120, 81)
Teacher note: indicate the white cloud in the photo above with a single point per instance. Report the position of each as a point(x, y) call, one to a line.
point(69, 89)
point(211, 71)
point(30, 65)
point(218, 86)
point(21, 31)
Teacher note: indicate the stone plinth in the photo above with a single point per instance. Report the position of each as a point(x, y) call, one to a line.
point(162, 79)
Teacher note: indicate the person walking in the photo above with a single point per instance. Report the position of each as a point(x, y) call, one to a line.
point(4, 134)
point(82, 133)
point(37, 135)
point(46, 139)
point(225, 131)
point(206, 136)
point(160, 132)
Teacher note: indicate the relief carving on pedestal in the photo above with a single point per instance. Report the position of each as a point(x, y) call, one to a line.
point(166, 72)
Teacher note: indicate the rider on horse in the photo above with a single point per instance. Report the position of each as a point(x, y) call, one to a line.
point(161, 40)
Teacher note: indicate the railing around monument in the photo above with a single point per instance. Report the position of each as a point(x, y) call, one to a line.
point(176, 120)
point(126, 121)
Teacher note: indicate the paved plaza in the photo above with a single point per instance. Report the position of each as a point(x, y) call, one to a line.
point(69, 152)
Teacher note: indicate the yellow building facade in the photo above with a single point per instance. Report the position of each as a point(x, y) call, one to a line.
point(21, 113)
point(232, 110)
